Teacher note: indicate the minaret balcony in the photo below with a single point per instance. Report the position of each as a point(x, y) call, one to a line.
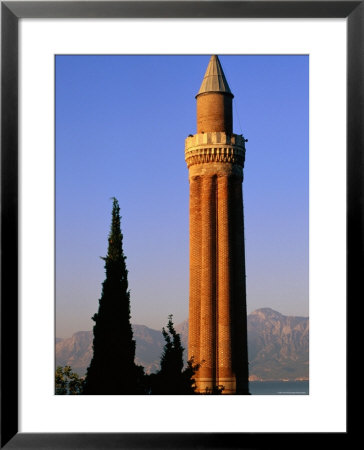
point(215, 137)
point(216, 147)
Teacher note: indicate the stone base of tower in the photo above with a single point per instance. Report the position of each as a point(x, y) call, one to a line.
point(204, 385)
point(207, 386)
point(210, 386)
point(229, 385)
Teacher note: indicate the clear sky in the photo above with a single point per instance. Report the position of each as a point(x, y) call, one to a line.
point(121, 122)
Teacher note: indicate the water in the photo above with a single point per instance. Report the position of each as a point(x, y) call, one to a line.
point(279, 387)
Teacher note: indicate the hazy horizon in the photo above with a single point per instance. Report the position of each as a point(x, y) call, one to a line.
point(177, 324)
point(121, 122)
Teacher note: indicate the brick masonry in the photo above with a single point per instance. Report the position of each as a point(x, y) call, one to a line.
point(214, 112)
point(217, 268)
point(217, 309)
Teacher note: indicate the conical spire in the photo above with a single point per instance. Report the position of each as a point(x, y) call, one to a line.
point(214, 79)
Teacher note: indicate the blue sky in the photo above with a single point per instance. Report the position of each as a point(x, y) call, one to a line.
point(121, 122)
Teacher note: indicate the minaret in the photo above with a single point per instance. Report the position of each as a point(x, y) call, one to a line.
point(217, 310)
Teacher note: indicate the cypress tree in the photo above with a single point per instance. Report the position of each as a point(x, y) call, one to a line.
point(112, 369)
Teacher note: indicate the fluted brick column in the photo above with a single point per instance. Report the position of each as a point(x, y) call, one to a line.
point(224, 291)
point(217, 335)
point(195, 269)
point(240, 343)
point(206, 374)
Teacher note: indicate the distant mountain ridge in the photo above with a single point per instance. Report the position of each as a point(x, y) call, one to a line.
point(278, 346)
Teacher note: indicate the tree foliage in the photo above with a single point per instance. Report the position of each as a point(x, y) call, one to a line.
point(112, 369)
point(67, 382)
point(172, 378)
point(172, 356)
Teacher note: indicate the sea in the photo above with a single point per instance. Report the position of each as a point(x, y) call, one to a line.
point(279, 387)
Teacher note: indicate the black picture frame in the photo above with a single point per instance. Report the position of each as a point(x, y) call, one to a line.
point(11, 12)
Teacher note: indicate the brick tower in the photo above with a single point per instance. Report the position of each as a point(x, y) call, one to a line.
point(217, 309)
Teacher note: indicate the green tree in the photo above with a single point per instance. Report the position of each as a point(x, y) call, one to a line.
point(112, 369)
point(172, 356)
point(68, 382)
point(172, 378)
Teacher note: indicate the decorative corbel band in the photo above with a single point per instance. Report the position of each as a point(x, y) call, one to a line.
point(233, 155)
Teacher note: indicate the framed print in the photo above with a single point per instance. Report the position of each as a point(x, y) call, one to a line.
point(39, 46)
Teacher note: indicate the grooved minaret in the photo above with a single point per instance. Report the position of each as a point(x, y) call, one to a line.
point(217, 312)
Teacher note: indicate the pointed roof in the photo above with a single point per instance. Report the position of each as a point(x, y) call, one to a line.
point(214, 79)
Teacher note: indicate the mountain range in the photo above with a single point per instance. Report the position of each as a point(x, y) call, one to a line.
point(278, 347)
